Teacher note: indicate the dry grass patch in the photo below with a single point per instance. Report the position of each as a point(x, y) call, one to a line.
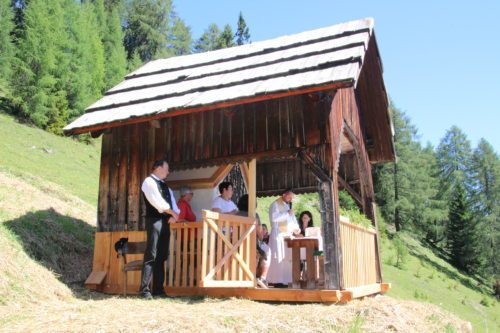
point(379, 314)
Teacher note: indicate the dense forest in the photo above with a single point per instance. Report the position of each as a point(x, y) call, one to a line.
point(59, 56)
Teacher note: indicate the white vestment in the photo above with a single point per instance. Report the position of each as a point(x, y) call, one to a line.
point(282, 225)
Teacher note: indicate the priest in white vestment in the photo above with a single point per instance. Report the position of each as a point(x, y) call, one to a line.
point(283, 224)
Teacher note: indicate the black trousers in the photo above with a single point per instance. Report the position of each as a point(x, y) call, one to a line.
point(158, 237)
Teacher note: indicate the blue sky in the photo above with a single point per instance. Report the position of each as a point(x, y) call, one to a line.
point(441, 58)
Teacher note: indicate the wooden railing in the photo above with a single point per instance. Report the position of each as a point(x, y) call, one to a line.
point(358, 254)
point(220, 251)
point(185, 253)
point(228, 258)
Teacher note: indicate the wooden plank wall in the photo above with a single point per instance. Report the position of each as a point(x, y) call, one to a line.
point(105, 260)
point(212, 137)
point(373, 104)
point(352, 126)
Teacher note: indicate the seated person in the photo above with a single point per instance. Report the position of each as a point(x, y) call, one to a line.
point(186, 213)
point(305, 221)
point(265, 233)
point(223, 203)
point(263, 250)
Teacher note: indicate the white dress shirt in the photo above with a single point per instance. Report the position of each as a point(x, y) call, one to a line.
point(150, 189)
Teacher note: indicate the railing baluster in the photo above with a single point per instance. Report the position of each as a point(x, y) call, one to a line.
point(171, 259)
point(227, 264)
point(177, 258)
point(192, 249)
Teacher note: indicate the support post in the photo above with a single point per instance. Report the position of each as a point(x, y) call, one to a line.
point(330, 223)
point(252, 187)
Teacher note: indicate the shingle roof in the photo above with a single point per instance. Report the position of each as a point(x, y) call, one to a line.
point(319, 57)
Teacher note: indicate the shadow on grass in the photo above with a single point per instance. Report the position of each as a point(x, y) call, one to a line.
point(62, 244)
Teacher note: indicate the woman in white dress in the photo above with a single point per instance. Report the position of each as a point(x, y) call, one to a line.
point(283, 225)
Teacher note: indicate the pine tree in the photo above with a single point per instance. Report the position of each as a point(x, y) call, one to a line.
point(486, 202)
point(146, 29)
point(42, 59)
point(114, 51)
point(7, 50)
point(242, 32)
point(406, 190)
point(209, 40)
point(225, 39)
point(180, 39)
point(454, 156)
point(463, 241)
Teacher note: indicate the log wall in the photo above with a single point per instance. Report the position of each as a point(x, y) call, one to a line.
point(269, 129)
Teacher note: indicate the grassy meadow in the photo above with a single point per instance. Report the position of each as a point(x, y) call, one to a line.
point(48, 195)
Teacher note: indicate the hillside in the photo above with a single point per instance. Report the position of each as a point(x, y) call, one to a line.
point(46, 228)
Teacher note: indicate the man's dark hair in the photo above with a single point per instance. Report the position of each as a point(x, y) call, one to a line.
point(224, 185)
point(288, 189)
point(159, 163)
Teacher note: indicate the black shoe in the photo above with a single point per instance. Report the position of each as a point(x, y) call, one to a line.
point(280, 285)
point(162, 295)
point(147, 295)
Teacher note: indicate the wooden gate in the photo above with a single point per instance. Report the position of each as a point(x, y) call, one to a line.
point(228, 255)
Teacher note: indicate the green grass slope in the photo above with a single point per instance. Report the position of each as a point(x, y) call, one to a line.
point(37, 155)
point(425, 277)
point(48, 195)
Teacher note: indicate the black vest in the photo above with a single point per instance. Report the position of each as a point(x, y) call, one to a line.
point(151, 211)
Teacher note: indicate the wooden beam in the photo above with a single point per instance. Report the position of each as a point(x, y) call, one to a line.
point(252, 187)
point(209, 182)
point(271, 294)
point(362, 291)
point(321, 174)
point(330, 224)
point(237, 158)
point(95, 279)
point(377, 244)
point(351, 191)
point(178, 112)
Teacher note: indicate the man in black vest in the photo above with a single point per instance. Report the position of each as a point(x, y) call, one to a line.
point(161, 210)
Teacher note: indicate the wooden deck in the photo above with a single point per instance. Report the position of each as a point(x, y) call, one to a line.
point(284, 294)
point(224, 265)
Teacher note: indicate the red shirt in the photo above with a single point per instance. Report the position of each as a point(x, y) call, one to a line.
point(186, 213)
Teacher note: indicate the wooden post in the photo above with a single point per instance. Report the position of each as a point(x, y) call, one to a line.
point(330, 224)
point(103, 201)
point(377, 243)
point(252, 187)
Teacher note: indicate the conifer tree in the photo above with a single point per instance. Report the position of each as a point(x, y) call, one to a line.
point(242, 32)
point(225, 39)
point(454, 156)
point(180, 39)
point(486, 203)
point(42, 59)
point(146, 29)
point(114, 51)
point(406, 190)
point(209, 40)
point(7, 50)
point(463, 241)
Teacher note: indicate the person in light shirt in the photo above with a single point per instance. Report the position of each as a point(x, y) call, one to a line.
point(283, 225)
point(223, 203)
point(161, 210)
